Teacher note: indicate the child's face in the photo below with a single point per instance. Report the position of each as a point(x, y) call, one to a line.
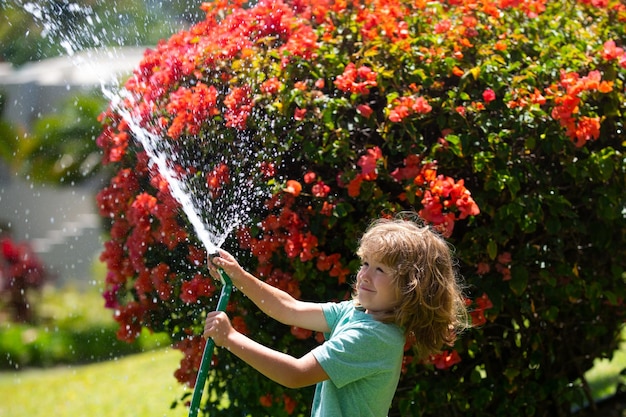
point(376, 290)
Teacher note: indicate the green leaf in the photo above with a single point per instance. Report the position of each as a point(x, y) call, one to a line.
point(519, 279)
point(492, 249)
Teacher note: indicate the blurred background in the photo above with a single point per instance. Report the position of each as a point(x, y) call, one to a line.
point(55, 59)
point(58, 346)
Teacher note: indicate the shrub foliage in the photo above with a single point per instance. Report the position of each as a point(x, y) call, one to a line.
point(500, 121)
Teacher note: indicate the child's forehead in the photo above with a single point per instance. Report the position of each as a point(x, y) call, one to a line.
point(375, 257)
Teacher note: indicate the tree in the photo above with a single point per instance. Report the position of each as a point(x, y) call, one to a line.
point(61, 147)
point(500, 122)
point(37, 30)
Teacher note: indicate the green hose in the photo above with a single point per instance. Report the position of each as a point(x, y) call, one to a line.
point(207, 355)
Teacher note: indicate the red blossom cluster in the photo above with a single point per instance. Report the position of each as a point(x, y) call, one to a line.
point(369, 171)
point(444, 200)
point(567, 97)
point(190, 105)
point(20, 271)
point(285, 231)
point(481, 304)
point(192, 348)
point(502, 266)
point(404, 107)
point(356, 80)
point(613, 52)
point(268, 400)
point(445, 359)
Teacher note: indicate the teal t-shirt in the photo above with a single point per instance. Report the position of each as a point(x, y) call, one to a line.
point(363, 358)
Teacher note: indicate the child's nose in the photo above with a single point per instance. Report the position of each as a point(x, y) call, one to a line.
point(366, 276)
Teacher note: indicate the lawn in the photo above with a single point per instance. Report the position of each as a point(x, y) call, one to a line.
point(140, 385)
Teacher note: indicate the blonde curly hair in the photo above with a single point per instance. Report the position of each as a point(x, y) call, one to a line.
point(431, 306)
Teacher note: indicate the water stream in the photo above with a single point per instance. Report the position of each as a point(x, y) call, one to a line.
point(213, 217)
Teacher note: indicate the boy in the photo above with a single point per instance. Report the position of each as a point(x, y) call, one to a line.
point(406, 287)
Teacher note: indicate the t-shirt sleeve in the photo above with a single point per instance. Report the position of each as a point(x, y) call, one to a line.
point(356, 353)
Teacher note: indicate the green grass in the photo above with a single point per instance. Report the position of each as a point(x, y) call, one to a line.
point(605, 375)
point(143, 386)
point(140, 385)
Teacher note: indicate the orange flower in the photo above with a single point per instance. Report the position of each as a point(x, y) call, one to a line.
point(271, 86)
point(500, 46)
point(457, 71)
point(354, 187)
point(266, 400)
point(293, 187)
point(587, 128)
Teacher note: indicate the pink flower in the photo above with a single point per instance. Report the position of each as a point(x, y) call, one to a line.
point(445, 359)
point(489, 95)
point(421, 106)
point(299, 114)
point(364, 110)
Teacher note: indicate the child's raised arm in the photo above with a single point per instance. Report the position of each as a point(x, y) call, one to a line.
point(279, 367)
point(272, 301)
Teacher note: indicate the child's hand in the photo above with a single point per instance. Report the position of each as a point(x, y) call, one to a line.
point(227, 262)
point(217, 326)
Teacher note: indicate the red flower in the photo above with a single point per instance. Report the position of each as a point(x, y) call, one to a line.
point(445, 359)
point(368, 163)
point(190, 108)
point(268, 169)
point(238, 106)
point(266, 400)
point(354, 187)
point(364, 110)
point(299, 114)
point(300, 333)
point(309, 177)
point(239, 324)
point(320, 189)
point(357, 81)
point(128, 318)
point(489, 95)
point(199, 286)
point(216, 179)
point(289, 403)
point(611, 50)
point(421, 106)
point(271, 86)
point(478, 314)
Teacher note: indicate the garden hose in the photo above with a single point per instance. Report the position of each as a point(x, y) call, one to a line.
point(207, 355)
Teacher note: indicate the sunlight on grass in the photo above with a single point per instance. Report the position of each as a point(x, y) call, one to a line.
point(605, 375)
point(143, 385)
point(138, 386)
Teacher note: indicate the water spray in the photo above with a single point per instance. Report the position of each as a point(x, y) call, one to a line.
point(207, 355)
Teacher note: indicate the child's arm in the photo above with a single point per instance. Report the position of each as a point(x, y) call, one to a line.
point(279, 367)
point(272, 301)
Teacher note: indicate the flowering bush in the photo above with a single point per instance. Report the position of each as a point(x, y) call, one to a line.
point(21, 272)
point(499, 121)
